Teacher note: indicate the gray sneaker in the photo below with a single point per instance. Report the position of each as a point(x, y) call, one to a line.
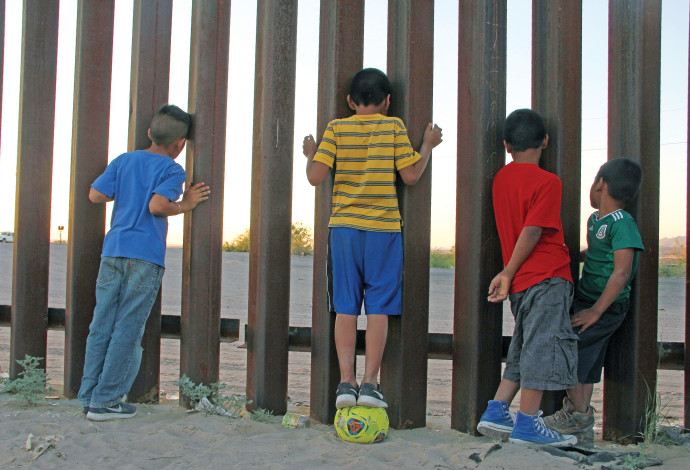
point(371, 396)
point(568, 421)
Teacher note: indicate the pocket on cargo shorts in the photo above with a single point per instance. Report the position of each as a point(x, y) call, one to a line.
point(565, 359)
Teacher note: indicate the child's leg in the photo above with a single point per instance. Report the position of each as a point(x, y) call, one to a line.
point(530, 399)
point(576, 396)
point(102, 325)
point(141, 283)
point(507, 390)
point(383, 272)
point(345, 344)
point(587, 390)
point(377, 331)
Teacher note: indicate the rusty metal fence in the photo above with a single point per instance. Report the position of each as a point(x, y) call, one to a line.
point(633, 129)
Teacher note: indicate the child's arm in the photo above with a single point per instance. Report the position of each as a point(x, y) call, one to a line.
point(432, 137)
point(622, 267)
point(316, 171)
point(162, 206)
point(500, 286)
point(98, 197)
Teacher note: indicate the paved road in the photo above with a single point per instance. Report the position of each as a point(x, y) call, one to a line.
point(235, 285)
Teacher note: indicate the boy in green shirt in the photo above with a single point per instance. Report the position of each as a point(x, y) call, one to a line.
point(602, 294)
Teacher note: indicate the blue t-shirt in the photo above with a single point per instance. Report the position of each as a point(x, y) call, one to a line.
point(132, 179)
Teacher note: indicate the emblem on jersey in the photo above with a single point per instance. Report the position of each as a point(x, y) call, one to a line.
point(602, 232)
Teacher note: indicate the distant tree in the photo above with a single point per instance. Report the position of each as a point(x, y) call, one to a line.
point(679, 252)
point(302, 241)
point(240, 243)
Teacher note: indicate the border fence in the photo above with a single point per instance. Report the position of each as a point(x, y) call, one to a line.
point(476, 345)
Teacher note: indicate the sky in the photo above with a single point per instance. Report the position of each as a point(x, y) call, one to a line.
point(674, 100)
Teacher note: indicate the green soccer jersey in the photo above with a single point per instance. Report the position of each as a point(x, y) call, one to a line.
point(614, 231)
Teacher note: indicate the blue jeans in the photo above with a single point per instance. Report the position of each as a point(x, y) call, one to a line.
point(125, 292)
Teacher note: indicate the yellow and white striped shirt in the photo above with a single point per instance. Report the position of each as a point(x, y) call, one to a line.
point(366, 151)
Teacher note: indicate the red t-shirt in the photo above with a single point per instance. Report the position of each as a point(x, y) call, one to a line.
point(523, 195)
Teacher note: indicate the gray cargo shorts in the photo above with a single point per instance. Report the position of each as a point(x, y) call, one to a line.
point(543, 350)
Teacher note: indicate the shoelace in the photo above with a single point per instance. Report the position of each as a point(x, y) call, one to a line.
point(512, 417)
point(542, 429)
point(562, 416)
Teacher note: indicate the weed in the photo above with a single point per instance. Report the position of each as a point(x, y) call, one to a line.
point(231, 404)
point(192, 391)
point(653, 418)
point(261, 415)
point(634, 461)
point(30, 384)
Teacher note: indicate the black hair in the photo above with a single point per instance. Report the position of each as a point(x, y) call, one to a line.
point(169, 124)
point(524, 129)
point(369, 86)
point(623, 178)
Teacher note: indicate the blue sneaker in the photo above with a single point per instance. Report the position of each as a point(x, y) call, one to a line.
point(497, 421)
point(532, 430)
point(119, 411)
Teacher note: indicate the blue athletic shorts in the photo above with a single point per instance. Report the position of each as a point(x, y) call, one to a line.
point(365, 266)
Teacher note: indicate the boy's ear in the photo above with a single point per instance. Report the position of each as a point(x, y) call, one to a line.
point(545, 142)
point(351, 103)
point(177, 147)
point(148, 133)
point(387, 102)
point(508, 149)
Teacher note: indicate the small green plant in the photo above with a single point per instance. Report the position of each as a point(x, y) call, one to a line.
point(231, 404)
point(30, 384)
point(193, 392)
point(261, 415)
point(634, 461)
point(653, 418)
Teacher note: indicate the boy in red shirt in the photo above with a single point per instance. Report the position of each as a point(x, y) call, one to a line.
point(543, 350)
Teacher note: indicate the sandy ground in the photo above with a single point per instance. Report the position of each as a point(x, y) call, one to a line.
point(166, 436)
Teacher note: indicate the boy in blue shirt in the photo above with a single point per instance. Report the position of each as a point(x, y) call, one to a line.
point(145, 185)
point(602, 295)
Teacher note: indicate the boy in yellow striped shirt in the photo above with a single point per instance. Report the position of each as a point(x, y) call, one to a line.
point(365, 245)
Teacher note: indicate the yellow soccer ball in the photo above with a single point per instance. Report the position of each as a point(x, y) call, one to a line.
point(361, 424)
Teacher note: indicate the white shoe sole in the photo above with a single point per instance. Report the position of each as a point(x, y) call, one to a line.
point(570, 441)
point(371, 401)
point(345, 401)
point(108, 416)
point(494, 431)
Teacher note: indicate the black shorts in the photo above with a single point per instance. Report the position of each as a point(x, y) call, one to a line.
point(592, 344)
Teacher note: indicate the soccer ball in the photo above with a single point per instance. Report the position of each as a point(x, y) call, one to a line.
point(361, 424)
